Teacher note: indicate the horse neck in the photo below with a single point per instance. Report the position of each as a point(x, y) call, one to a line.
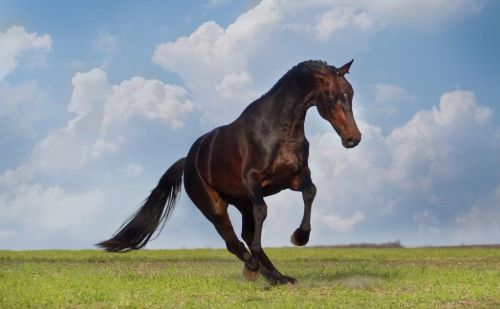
point(290, 109)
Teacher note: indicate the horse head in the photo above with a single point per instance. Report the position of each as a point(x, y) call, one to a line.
point(332, 94)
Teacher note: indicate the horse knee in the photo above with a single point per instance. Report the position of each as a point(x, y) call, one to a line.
point(260, 213)
point(309, 192)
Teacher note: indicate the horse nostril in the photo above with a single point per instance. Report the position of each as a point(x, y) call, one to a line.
point(350, 143)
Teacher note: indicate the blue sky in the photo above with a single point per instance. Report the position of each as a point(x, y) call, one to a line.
point(98, 99)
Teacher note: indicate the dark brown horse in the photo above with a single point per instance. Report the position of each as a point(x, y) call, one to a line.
point(261, 153)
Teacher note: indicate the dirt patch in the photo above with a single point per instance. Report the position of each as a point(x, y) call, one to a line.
point(358, 282)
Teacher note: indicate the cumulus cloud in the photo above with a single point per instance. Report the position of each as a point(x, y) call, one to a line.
point(102, 146)
point(90, 89)
point(16, 41)
point(33, 216)
point(430, 147)
point(337, 19)
point(22, 107)
point(212, 51)
point(31, 210)
point(343, 224)
point(48, 207)
point(12, 178)
point(212, 60)
point(236, 87)
point(22, 104)
point(148, 98)
point(98, 106)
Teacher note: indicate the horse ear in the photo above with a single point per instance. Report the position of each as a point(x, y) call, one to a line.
point(345, 68)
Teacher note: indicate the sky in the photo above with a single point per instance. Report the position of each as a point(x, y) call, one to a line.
point(98, 99)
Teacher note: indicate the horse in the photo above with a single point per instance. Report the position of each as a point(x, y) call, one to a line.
point(261, 153)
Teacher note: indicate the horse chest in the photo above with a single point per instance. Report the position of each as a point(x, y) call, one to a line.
point(289, 161)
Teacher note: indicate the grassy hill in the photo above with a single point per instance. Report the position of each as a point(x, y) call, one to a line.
point(327, 277)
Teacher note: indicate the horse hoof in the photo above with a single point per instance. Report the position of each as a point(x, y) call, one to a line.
point(282, 280)
point(299, 238)
point(289, 280)
point(249, 274)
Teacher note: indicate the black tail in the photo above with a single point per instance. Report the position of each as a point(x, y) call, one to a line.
point(141, 225)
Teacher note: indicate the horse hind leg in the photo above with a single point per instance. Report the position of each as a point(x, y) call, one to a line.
point(214, 208)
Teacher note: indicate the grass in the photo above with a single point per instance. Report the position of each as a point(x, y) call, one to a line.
point(204, 278)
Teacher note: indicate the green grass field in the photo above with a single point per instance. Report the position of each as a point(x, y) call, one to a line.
point(327, 277)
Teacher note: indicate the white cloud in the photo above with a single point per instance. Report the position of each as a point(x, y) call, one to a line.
point(14, 42)
point(22, 106)
point(337, 19)
point(10, 179)
point(212, 58)
point(336, 223)
point(455, 106)
point(103, 146)
point(48, 208)
point(148, 98)
point(60, 149)
point(211, 52)
point(133, 170)
point(105, 42)
point(428, 147)
point(90, 89)
point(236, 87)
point(98, 107)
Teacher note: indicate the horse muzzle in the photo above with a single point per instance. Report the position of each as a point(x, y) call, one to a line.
point(351, 142)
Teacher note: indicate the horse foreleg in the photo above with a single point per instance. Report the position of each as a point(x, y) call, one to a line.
point(300, 236)
point(267, 268)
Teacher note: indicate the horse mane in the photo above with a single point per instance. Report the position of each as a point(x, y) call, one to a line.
point(318, 65)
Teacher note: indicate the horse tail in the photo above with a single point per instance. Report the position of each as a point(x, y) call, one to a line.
point(155, 210)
